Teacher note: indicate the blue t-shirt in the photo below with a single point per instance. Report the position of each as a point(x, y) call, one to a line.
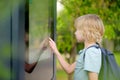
point(91, 62)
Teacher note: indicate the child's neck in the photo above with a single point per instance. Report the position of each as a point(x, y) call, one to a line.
point(86, 44)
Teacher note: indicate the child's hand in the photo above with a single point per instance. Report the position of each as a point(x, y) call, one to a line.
point(52, 45)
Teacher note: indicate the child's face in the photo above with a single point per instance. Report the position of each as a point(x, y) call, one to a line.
point(79, 36)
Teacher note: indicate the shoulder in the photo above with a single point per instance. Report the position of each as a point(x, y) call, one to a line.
point(93, 51)
point(92, 59)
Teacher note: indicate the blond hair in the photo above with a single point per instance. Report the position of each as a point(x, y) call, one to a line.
point(91, 26)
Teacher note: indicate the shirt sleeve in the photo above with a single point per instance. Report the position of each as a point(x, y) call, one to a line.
point(92, 61)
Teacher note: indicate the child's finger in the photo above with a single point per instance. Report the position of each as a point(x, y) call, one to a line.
point(51, 40)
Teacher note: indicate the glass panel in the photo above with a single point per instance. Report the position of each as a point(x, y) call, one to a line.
point(38, 57)
point(38, 29)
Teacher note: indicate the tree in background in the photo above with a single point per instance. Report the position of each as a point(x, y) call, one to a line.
point(108, 10)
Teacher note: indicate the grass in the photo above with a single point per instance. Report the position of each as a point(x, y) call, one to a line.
point(117, 57)
point(61, 75)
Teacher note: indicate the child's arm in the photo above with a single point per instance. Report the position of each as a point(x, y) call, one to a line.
point(93, 76)
point(67, 67)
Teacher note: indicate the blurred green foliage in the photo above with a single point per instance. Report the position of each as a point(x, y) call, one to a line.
point(108, 10)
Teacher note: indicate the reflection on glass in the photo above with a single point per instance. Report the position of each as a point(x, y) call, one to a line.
point(36, 37)
point(33, 53)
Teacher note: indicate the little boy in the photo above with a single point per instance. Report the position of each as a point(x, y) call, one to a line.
point(89, 30)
